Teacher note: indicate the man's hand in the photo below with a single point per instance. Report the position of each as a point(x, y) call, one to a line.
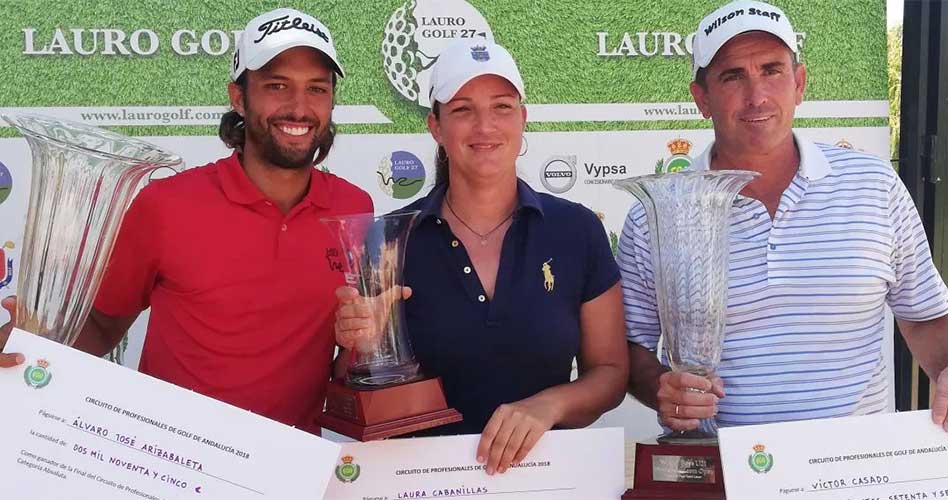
point(9, 360)
point(684, 399)
point(360, 320)
point(940, 404)
point(928, 341)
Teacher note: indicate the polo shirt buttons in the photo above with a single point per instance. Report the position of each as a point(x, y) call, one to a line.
point(481, 298)
point(454, 243)
point(467, 269)
point(283, 227)
point(773, 246)
point(438, 221)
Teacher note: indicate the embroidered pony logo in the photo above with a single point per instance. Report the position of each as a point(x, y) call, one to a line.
point(548, 278)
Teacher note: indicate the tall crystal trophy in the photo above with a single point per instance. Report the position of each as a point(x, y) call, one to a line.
point(83, 180)
point(688, 216)
point(384, 393)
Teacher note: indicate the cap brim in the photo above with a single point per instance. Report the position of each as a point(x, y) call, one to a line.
point(265, 56)
point(704, 64)
point(448, 91)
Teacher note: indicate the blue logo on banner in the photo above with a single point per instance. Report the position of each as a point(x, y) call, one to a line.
point(6, 183)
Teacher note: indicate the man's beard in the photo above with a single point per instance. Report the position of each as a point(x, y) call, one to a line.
point(279, 155)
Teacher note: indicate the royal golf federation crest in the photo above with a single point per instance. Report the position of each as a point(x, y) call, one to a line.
point(679, 159)
point(759, 461)
point(479, 53)
point(38, 376)
point(347, 471)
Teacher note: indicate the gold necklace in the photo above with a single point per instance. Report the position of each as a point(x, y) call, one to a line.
point(482, 237)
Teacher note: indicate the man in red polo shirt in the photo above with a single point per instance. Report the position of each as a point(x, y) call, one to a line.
point(231, 256)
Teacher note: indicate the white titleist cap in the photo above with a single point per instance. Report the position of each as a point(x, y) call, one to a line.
point(267, 35)
point(469, 58)
point(734, 19)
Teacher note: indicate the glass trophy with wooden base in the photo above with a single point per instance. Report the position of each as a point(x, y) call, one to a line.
point(688, 216)
point(384, 393)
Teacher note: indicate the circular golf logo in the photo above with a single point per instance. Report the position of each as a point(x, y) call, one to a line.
point(759, 461)
point(559, 174)
point(401, 175)
point(679, 159)
point(416, 33)
point(6, 183)
point(38, 376)
point(347, 471)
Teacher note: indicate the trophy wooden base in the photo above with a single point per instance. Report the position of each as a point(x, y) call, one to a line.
point(676, 472)
point(386, 412)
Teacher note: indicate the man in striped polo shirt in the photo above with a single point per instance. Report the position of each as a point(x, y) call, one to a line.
point(819, 243)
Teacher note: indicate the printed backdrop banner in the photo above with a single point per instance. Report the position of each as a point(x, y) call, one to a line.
point(141, 62)
point(606, 82)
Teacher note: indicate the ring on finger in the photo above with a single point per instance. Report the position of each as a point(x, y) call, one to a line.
point(676, 410)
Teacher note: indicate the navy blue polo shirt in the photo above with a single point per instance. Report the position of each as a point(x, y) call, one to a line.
point(555, 256)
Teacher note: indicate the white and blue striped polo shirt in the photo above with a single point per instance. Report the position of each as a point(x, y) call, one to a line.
point(805, 316)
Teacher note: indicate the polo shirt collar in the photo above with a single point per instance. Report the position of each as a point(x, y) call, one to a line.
point(528, 198)
point(240, 189)
point(431, 206)
point(813, 163)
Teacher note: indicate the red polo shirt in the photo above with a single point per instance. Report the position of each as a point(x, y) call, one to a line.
point(241, 295)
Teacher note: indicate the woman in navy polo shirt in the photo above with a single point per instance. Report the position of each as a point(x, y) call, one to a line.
point(508, 286)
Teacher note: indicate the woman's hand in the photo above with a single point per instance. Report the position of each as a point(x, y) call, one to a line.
point(513, 430)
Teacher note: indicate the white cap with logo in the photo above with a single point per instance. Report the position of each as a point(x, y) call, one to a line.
point(734, 19)
point(267, 35)
point(466, 59)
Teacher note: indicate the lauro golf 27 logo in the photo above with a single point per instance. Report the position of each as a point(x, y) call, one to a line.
point(416, 33)
point(401, 175)
point(38, 376)
point(6, 183)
